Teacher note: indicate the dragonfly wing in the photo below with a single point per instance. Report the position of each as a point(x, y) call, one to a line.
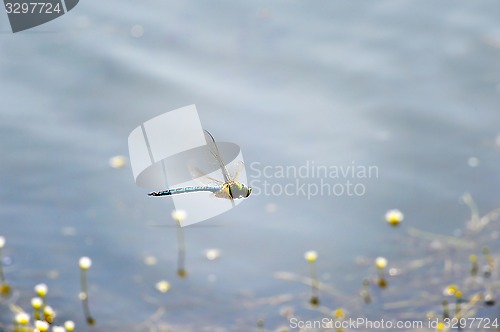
point(215, 152)
point(236, 170)
point(197, 174)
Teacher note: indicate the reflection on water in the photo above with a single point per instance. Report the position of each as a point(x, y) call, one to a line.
point(330, 83)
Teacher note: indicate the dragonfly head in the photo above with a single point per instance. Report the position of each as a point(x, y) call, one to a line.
point(239, 190)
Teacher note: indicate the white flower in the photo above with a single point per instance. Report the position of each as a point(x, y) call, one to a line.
point(48, 311)
point(36, 302)
point(117, 161)
point(179, 215)
point(394, 217)
point(42, 325)
point(163, 286)
point(311, 256)
point(212, 254)
point(41, 289)
point(85, 263)
point(69, 325)
point(22, 318)
point(381, 263)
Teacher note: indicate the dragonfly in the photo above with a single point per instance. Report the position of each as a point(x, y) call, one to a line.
point(229, 189)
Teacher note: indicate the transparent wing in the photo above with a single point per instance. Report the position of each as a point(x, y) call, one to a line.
point(202, 178)
point(215, 152)
point(236, 169)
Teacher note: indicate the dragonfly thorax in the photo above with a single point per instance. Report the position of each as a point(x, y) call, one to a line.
point(238, 190)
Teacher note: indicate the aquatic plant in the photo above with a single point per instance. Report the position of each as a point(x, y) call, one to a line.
point(311, 257)
point(381, 264)
point(5, 289)
point(21, 321)
point(41, 326)
point(37, 304)
point(85, 264)
point(179, 216)
point(444, 277)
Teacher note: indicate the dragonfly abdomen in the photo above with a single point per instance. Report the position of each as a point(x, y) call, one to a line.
point(176, 191)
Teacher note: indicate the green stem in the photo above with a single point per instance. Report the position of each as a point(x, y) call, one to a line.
point(314, 286)
point(2, 276)
point(36, 314)
point(181, 258)
point(85, 299)
point(446, 311)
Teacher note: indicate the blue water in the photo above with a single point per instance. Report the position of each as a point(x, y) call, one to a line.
point(411, 88)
